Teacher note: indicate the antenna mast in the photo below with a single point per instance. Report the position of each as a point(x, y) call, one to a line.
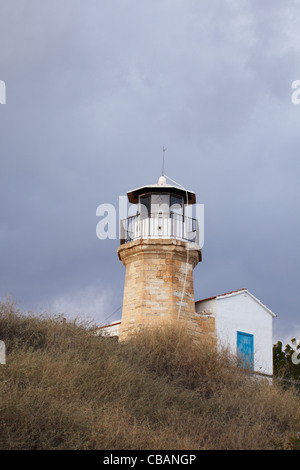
point(163, 162)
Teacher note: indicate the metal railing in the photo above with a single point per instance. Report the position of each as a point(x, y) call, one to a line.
point(171, 225)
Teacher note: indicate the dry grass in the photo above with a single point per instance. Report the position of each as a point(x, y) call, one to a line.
point(64, 388)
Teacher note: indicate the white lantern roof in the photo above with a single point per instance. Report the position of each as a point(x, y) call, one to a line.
point(161, 187)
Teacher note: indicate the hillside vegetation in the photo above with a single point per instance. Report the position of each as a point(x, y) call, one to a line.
point(64, 388)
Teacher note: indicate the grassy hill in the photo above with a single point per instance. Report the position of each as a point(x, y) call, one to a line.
point(65, 388)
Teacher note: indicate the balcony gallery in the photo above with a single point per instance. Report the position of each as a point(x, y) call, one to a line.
point(160, 215)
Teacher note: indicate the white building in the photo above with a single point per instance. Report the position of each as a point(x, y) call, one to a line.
point(109, 330)
point(243, 324)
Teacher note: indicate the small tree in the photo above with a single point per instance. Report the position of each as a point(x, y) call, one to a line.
point(279, 359)
point(286, 362)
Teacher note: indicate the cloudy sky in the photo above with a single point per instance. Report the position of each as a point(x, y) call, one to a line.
point(95, 89)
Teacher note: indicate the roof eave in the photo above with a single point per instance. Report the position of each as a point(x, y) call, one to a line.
point(133, 195)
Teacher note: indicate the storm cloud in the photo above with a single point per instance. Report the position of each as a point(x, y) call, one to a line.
point(95, 89)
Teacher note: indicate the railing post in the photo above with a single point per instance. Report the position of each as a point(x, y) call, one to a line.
point(122, 232)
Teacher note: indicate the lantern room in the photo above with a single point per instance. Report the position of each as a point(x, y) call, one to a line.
point(162, 212)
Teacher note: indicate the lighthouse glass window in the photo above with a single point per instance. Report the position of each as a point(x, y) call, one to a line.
point(145, 205)
point(160, 204)
point(176, 204)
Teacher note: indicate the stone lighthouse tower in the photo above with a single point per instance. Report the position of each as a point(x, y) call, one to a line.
point(159, 248)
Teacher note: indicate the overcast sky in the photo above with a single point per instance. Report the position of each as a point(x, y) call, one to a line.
point(95, 89)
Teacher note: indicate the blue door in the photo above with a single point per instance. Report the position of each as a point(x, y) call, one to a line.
point(245, 349)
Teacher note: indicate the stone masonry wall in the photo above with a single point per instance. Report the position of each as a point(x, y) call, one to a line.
point(158, 271)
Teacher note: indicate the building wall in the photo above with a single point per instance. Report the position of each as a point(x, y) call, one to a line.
point(242, 313)
point(205, 318)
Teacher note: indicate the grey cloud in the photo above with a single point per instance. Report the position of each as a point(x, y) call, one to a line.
point(94, 90)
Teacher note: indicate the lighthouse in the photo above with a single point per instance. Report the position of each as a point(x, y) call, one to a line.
point(159, 247)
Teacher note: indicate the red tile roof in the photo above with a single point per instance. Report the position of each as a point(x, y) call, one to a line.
point(106, 326)
point(227, 293)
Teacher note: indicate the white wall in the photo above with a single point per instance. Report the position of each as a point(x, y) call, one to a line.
point(110, 330)
point(240, 312)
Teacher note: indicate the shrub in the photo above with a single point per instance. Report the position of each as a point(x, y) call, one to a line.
point(63, 387)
